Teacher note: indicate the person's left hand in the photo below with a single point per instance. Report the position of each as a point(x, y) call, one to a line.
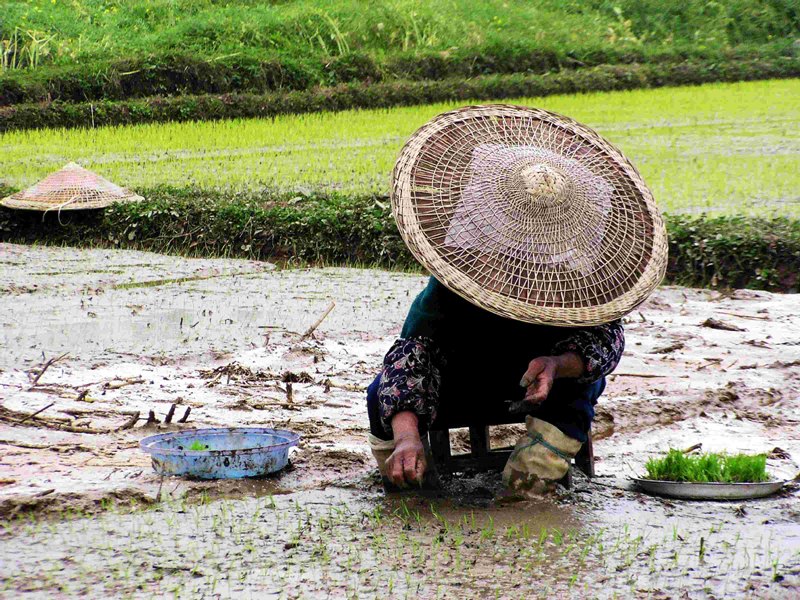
point(538, 379)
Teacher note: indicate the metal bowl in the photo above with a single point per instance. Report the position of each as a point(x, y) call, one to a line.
point(709, 491)
point(228, 453)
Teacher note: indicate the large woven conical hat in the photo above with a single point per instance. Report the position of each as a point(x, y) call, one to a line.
point(529, 215)
point(71, 188)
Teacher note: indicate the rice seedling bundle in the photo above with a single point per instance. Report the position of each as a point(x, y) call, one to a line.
point(708, 468)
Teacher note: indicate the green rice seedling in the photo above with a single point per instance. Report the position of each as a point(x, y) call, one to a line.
point(406, 515)
point(436, 514)
point(744, 468)
point(558, 537)
point(707, 468)
point(543, 533)
point(488, 531)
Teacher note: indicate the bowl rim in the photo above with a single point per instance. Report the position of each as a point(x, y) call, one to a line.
point(148, 444)
point(771, 481)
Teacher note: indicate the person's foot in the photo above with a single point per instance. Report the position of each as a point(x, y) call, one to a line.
point(540, 459)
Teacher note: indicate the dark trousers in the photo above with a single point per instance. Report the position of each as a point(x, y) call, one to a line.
point(570, 407)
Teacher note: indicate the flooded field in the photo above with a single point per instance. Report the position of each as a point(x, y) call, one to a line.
point(346, 543)
point(127, 334)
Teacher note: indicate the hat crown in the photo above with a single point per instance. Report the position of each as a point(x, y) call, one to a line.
point(545, 184)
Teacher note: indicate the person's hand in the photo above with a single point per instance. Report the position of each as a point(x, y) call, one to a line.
point(407, 463)
point(538, 379)
point(544, 370)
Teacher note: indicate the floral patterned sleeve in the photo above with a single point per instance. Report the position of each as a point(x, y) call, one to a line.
point(410, 381)
point(600, 348)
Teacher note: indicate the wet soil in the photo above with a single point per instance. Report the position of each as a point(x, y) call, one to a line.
point(223, 337)
point(593, 541)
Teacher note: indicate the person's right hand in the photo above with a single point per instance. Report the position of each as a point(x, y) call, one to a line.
point(406, 464)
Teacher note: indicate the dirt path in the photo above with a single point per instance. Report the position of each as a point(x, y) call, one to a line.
point(222, 338)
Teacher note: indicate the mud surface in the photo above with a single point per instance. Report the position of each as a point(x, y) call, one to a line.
point(224, 338)
point(591, 542)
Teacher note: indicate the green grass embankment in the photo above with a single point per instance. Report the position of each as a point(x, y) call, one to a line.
point(179, 75)
point(385, 95)
point(733, 252)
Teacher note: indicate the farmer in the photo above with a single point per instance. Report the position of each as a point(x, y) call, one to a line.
point(540, 235)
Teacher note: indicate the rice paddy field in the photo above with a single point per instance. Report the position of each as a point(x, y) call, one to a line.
point(716, 149)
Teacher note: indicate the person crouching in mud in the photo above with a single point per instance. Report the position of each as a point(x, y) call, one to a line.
point(454, 358)
point(539, 235)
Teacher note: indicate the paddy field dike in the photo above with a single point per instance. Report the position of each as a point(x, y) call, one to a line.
point(722, 160)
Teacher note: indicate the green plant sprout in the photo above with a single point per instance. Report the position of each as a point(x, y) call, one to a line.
point(708, 468)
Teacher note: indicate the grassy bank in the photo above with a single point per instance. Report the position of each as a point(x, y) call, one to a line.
point(108, 49)
point(127, 79)
point(716, 149)
point(162, 109)
point(337, 229)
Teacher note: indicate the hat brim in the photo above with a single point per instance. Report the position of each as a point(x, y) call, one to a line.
point(573, 281)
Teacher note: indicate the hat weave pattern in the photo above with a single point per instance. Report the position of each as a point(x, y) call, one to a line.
point(530, 215)
point(71, 188)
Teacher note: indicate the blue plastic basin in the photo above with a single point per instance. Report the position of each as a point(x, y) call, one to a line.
point(228, 453)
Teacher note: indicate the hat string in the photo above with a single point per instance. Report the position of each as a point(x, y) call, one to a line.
point(74, 198)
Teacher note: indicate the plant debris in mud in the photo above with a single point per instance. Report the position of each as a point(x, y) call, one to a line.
point(236, 373)
point(708, 468)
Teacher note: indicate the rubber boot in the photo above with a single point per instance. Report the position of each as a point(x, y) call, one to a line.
point(540, 459)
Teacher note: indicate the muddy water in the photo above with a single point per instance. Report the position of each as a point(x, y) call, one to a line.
point(592, 542)
point(144, 304)
point(220, 337)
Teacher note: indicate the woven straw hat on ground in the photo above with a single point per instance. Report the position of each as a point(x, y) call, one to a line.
point(71, 188)
point(529, 215)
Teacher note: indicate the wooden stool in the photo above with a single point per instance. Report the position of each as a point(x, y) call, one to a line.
point(483, 458)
